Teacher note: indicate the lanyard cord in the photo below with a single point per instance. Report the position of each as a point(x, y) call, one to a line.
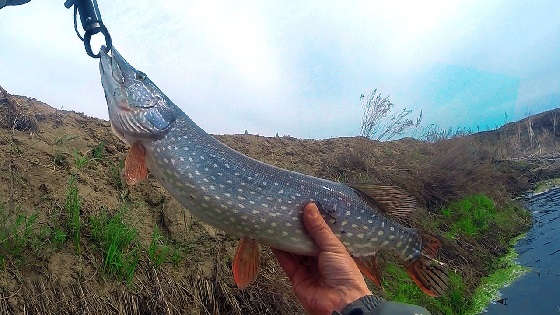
point(91, 22)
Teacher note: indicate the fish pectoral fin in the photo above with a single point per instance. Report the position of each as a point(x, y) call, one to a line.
point(135, 169)
point(246, 262)
point(389, 199)
point(429, 276)
point(368, 267)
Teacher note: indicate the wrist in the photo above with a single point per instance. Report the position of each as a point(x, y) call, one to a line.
point(363, 305)
point(350, 296)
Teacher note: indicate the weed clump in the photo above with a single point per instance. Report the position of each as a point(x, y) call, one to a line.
point(157, 252)
point(81, 160)
point(58, 237)
point(115, 175)
point(16, 235)
point(99, 151)
point(119, 243)
point(160, 251)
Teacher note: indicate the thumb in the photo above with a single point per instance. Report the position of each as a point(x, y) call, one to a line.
point(319, 231)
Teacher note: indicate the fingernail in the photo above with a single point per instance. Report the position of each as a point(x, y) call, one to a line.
point(311, 211)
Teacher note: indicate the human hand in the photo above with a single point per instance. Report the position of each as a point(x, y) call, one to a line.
point(329, 281)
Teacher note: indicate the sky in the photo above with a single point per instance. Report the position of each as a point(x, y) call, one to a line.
point(299, 67)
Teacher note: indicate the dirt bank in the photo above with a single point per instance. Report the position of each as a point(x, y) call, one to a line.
point(42, 149)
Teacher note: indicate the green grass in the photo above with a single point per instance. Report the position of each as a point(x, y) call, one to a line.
point(470, 216)
point(64, 138)
point(72, 208)
point(545, 185)
point(119, 243)
point(98, 151)
point(477, 215)
point(16, 234)
point(115, 175)
point(80, 160)
point(158, 251)
point(58, 237)
point(507, 269)
point(400, 288)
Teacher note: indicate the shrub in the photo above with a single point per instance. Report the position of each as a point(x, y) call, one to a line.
point(380, 122)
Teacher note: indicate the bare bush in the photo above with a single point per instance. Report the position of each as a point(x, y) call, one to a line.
point(380, 122)
point(434, 133)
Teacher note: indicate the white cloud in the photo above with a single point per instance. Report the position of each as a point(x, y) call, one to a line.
point(290, 67)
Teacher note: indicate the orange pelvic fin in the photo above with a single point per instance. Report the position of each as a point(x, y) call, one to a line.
point(135, 169)
point(368, 267)
point(246, 262)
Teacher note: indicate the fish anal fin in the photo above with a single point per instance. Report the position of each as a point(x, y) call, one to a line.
point(368, 267)
point(429, 276)
point(389, 199)
point(246, 262)
point(135, 169)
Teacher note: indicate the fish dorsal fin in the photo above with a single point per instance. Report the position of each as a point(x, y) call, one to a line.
point(246, 262)
point(390, 199)
point(135, 169)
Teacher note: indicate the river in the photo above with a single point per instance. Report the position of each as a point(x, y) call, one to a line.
point(537, 291)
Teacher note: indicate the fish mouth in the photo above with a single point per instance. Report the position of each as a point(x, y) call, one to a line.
point(115, 65)
point(113, 69)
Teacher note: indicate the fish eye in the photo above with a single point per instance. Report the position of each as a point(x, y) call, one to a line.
point(140, 75)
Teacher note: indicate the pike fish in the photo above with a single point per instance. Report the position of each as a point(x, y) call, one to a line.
point(255, 201)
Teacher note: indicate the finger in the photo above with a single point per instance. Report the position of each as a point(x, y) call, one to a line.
point(319, 231)
point(293, 265)
point(287, 261)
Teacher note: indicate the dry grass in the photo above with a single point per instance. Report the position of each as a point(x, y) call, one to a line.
point(62, 282)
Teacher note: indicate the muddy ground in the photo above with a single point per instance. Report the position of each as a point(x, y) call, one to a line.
point(39, 149)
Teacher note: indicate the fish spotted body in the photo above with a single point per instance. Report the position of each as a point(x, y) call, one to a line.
point(233, 192)
point(245, 197)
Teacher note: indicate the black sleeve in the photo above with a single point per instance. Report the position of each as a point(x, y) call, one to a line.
point(12, 2)
point(372, 305)
point(362, 306)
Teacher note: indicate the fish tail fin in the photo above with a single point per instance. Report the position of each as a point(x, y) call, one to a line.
point(428, 273)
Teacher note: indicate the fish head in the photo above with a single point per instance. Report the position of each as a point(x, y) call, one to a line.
point(137, 107)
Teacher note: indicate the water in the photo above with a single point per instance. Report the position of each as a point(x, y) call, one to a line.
point(538, 291)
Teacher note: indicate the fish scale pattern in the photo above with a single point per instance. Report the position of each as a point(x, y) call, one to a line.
point(246, 197)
